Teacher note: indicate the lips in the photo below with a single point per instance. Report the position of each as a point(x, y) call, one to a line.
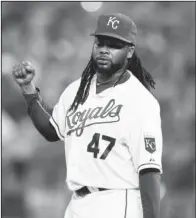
point(102, 59)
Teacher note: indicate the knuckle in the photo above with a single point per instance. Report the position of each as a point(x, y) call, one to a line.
point(14, 68)
point(26, 63)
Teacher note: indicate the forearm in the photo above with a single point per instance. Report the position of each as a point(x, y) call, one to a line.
point(150, 193)
point(39, 113)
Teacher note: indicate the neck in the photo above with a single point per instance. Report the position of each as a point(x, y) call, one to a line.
point(108, 77)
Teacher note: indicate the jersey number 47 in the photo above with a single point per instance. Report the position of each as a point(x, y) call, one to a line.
point(93, 146)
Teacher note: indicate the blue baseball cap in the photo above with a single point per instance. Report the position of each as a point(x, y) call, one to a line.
point(118, 26)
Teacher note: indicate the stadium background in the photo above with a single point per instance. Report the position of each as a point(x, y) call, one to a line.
point(54, 36)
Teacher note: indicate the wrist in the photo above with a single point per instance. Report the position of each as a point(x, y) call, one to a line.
point(28, 89)
point(30, 97)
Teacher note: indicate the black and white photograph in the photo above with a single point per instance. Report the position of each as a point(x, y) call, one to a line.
point(98, 109)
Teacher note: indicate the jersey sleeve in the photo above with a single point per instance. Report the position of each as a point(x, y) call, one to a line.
point(58, 118)
point(147, 142)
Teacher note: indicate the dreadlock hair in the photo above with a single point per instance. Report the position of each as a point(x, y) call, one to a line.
point(84, 87)
point(134, 65)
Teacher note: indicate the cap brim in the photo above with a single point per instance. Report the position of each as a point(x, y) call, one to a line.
point(113, 35)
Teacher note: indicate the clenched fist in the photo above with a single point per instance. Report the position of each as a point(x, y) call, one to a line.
point(23, 73)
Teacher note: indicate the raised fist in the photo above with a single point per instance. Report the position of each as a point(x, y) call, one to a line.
point(23, 73)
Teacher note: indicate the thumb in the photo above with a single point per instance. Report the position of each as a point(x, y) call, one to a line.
point(29, 68)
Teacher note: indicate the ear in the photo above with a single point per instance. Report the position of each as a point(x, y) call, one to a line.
point(131, 49)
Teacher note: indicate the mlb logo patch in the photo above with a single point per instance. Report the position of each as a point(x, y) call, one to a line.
point(150, 144)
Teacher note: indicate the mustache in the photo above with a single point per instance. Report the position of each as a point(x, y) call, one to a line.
point(102, 57)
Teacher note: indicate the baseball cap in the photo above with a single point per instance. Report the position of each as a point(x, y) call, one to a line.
point(118, 26)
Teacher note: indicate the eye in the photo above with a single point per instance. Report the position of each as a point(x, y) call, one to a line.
point(115, 45)
point(99, 43)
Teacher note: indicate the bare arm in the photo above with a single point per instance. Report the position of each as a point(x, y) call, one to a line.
point(37, 109)
point(149, 180)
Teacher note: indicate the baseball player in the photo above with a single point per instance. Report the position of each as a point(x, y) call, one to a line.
point(110, 124)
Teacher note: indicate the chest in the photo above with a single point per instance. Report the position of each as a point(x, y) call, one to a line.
point(111, 114)
point(99, 126)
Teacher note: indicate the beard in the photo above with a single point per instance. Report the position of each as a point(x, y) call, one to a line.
point(106, 67)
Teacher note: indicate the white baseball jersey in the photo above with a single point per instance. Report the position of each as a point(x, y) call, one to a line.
point(111, 137)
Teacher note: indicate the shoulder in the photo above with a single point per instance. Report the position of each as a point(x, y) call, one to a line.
point(72, 88)
point(143, 96)
point(69, 92)
point(73, 85)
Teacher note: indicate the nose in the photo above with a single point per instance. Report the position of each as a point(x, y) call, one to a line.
point(104, 49)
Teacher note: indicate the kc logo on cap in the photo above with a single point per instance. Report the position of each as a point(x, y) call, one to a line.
point(118, 26)
point(113, 22)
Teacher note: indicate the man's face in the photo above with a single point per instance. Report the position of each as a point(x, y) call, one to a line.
point(109, 54)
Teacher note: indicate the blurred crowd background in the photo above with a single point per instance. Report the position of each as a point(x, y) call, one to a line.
point(55, 38)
